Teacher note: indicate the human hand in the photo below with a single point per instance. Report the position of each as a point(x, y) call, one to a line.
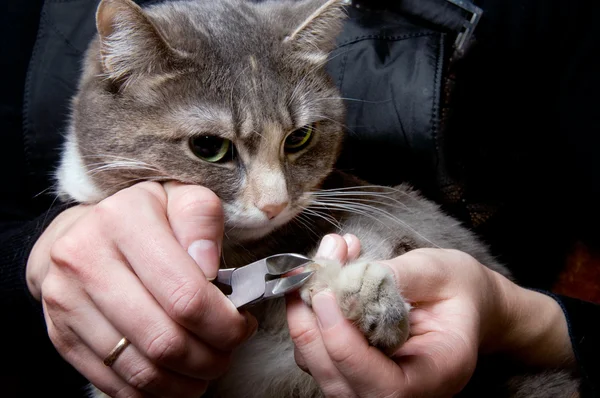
point(122, 268)
point(460, 308)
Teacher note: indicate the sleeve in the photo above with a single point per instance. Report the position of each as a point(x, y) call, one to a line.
point(584, 330)
point(25, 340)
point(16, 242)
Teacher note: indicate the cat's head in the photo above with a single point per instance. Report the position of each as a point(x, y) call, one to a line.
point(227, 94)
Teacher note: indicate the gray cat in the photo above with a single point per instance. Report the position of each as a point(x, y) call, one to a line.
point(234, 96)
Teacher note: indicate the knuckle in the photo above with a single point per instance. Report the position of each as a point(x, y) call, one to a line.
point(66, 251)
point(196, 200)
point(167, 347)
point(109, 213)
point(346, 355)
point(110, 208)
point(304, 337)
point(145, 378)
point(69, 255)
point(53, 293)
point(189, 302)
point(149, 189)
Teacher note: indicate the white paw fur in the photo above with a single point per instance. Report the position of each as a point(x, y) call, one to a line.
point(368, 296)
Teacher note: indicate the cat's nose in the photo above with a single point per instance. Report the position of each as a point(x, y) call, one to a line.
point(274, 209)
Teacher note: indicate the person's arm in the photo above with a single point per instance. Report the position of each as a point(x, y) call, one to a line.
point(533, 329)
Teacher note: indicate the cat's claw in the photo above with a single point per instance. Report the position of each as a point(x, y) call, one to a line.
point(368, 296)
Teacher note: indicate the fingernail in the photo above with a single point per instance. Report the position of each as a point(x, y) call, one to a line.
point(206, 254)
point(349, 239)
point(326, 308)
point(327, 247)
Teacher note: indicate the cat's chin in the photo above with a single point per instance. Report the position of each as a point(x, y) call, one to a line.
point(241, 234)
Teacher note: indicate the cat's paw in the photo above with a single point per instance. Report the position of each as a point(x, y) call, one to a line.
point(367, 295)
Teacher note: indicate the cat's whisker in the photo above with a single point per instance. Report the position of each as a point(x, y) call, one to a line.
point(305, 224)
point(126, 183)
point(360, 198)
point(378, 188)
point(330, 219)
point(117, 160)
point(349, 192)
point(121, 166)
point(44, 191)
point(106, 167)
point(398, 205)
point(368, 211)
point(103, 155)
point(325, 216)
point(358, 187)
point(350, 99)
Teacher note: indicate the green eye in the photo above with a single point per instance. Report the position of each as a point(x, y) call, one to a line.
point(211, 148)
point(299, 139)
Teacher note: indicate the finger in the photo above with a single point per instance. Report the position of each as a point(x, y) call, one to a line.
point(136, 315)
point(131, 365)
point(300, 361)
point(419, 274)
point(196, 217)
point(437, 353)
point(167, 271)
point(425, 321)
point(333, 247)
point(353, 246)
point(308, 343)
point(309, 349)
point(368, 371)
point(86, 362)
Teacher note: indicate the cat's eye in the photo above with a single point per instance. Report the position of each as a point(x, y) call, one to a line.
point(299, 139)
point(211, 148)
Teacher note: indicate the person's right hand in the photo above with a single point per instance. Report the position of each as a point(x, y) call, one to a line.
point(136, 265)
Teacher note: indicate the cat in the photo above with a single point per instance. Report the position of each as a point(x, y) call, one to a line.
point(234, 96)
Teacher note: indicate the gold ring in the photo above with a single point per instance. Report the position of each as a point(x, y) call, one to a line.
point(114, 354)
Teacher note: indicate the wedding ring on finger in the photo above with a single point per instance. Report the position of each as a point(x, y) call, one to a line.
point(114, 354)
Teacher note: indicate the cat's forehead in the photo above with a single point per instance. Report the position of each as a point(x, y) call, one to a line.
point(195, 119)
point(228, 28)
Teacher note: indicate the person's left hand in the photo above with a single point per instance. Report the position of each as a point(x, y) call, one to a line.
point(460, 308)
point(439, 358)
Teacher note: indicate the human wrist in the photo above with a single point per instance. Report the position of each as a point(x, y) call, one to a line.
point(39, 257)
point(533, 328)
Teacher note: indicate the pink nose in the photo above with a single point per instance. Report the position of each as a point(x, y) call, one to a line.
point(273, 210)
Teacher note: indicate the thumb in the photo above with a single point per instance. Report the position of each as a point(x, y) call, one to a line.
point(196, 217)
point(368, 371)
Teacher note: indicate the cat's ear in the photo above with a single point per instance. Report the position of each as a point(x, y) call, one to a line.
point(316, 32)
point(131, 45)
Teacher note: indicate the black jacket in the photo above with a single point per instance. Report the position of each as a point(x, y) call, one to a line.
point(504, 138)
